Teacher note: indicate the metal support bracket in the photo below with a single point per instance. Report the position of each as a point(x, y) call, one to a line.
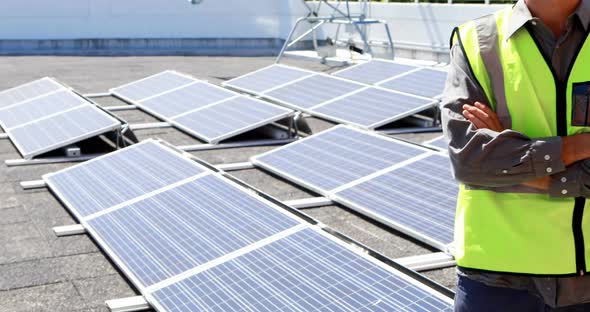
point(31, 185)
point(235, 166)
point(149, 125)
point(309, 202)
point(129, 304)
point(52, 160)
point(119, 108)
point(69, 230)
point(4, 136)
point(97, 95)
point(208, 147)
point(432, 261)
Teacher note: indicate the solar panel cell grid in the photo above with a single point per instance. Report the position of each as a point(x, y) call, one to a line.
point(186, 99)
point(420, 196)
point(373, 107)
point(374, 71)
point(35, 109)
point(266, 79)
point(301, 272)
point(27, 91)
point(223, 119)
point(312, 91)
point(425, 82)
point(335, 157)
point(182, 228)
point(120, 176)
point(46, 134)
point(440, 143)
point(151, 86)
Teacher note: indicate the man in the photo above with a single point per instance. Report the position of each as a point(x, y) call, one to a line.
point(515, 110)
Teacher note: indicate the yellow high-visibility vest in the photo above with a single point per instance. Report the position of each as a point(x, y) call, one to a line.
point(523, 232)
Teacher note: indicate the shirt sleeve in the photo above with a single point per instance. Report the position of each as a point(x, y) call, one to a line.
point(573, 182)
point(482, 157)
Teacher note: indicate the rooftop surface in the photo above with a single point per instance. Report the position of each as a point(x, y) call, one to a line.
point(41, 272)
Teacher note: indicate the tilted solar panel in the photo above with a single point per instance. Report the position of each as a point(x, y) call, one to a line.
point(374, 71)
point(438, 143)
point(373, 107)
point(311, 91)
point(305, 271)
point(335, 157)
point(189, 225)
point(424, 82)
point(28, 91)
point(266, 78)
point(228, 118)
point(151, 86)
point(418, 198)
point(55, 131)
point(37, 108)
point(120, 176)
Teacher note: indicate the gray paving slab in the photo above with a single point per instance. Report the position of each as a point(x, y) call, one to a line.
point(45, 298)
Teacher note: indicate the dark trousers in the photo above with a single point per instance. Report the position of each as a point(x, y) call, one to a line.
point(474, 296)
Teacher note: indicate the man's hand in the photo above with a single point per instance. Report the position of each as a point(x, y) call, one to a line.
point(482, 117)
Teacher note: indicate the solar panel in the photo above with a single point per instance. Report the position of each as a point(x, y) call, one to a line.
point(335, 157)
point(151, 86)
point(418, 198)
point(439, 143)
point(311, 91)
point(374, 71)
point(424, 82)
point(47, 134)
point(227, 118)
point(266, 78)
point(185, 99)
point(28, 91)
point(179, 229)
point(305, 271)
point(39, 107)
point(373, 107)
point(120, 176)
point(209, 112)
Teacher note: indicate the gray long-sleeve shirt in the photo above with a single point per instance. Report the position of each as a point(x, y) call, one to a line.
point(483, 158)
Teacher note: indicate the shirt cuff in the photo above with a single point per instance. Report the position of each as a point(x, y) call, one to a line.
point(566, 183)
point(546, 155)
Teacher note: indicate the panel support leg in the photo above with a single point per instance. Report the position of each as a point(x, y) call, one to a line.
point(129, 304)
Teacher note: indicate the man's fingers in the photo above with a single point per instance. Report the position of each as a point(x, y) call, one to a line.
point(478, 123)
point(484, 118)
point(493, 116)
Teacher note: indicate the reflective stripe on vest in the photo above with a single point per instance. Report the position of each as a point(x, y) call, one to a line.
point(521, 232)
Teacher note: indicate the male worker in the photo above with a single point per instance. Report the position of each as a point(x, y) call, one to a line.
point(515, 110)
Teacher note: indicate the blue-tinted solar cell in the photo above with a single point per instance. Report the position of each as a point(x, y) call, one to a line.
point(313, 91)
point(151, 86)
point(425, 82)
point(39, 108)
point(302, 272)
point(420, 196)
point(44, 135)
point(266, 79)
point(373, 107)
point(182, 228)
point(335, 157)
point(186, 99)
point(374, 71)
point(440, 143)
point(27, 91)
point(230, 118)
point(120, 176)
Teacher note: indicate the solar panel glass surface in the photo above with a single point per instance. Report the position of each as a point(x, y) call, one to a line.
point(420, 196)
point(304, 271)
point(120, 176)
point(335, 157)
point(181, 228)
point(312, 91)
point(440, 143)
point(425, 82)
point(151, 86)
point(27, 91)
point(266, 79)
point(227, 118)
point(374, 71)
point(373, 107)
point(41, 107)
point(186, 99)
point(69, 127)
